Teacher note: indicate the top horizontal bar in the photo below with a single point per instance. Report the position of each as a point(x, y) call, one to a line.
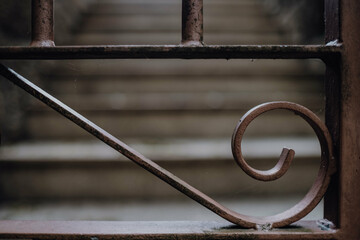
point(173, 51)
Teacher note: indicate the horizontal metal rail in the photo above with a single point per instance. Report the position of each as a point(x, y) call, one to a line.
point(173, 51)
point(58, 230)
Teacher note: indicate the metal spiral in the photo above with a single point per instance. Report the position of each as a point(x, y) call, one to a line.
point(327, 165)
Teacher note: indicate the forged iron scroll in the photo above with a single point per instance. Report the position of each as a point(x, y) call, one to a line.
point(312, 198)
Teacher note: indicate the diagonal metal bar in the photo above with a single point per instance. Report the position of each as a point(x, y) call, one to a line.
point(293, 214)
point(112, 141)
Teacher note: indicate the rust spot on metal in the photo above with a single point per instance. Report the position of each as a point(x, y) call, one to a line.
point(192, 22)
point(42, 23)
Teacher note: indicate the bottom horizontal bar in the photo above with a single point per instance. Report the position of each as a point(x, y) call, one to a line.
point(93, 230)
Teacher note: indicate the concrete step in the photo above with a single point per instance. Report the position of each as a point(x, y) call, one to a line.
point(174, 38)
point(159, 124)
point(181, 108)
point(91, 170)
point(155, 210)
point(170, 23)
point(244, 3)
point(185, 68)
point(60, 85)
point(211, 9)
point(180, 101)
point(167, 93)
point(159, 22)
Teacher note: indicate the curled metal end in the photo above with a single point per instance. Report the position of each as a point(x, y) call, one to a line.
point(286, 156)
point(327, 165)
point(282, 166)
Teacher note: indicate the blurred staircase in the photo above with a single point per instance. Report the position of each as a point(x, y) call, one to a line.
point(180, 113)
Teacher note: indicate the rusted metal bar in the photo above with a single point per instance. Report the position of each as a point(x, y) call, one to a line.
point(349, 125)
point(186, 230)
point(332, 104)
point(173, 51)
point(307, 204)
point(42, 23)
point(192, 23)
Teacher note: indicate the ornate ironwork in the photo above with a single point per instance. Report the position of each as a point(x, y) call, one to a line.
point(312, 198)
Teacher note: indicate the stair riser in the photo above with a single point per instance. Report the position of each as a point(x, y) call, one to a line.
point(163, 84)
point(174, 38)
point(108, 103)
point(141, 23)
point(163, 125)
point(110, 181)
point(171, 9)
point(187, 68)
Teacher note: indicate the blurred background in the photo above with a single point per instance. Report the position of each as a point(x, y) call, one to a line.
point(179, 113)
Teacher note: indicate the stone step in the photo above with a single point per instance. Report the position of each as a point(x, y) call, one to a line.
point(186, 68)
point(174, 38)
point(244, 3)
point(159, 22)
point(143, 8)
point(170, 23)
point(159, 150)
point(142, 113)
point(91, 170)
point(164, 210)
point(169, 84)
point(211, 9)
point(162, 124)
point(181, 101)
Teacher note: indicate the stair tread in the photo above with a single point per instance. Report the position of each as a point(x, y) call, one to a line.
point(161, 38)
point(175, 2)
point(169, 84)
point(140, 23)
point(175, 67)
point(167, 124)
point(178, 101)
point(149, 8)
point(159, 150)
point(179, 111)
point(155, 210)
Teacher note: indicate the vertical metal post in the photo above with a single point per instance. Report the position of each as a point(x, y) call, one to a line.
point(42, 23)
point(332, 104)
point(192, 22)
point(349, 125)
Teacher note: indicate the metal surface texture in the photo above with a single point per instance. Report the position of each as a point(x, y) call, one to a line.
point(42, 23)
point(332, 104)
point(92, 230)
point(192, 22)
point(309, 202)
point(349, 138)
point(173, 51)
